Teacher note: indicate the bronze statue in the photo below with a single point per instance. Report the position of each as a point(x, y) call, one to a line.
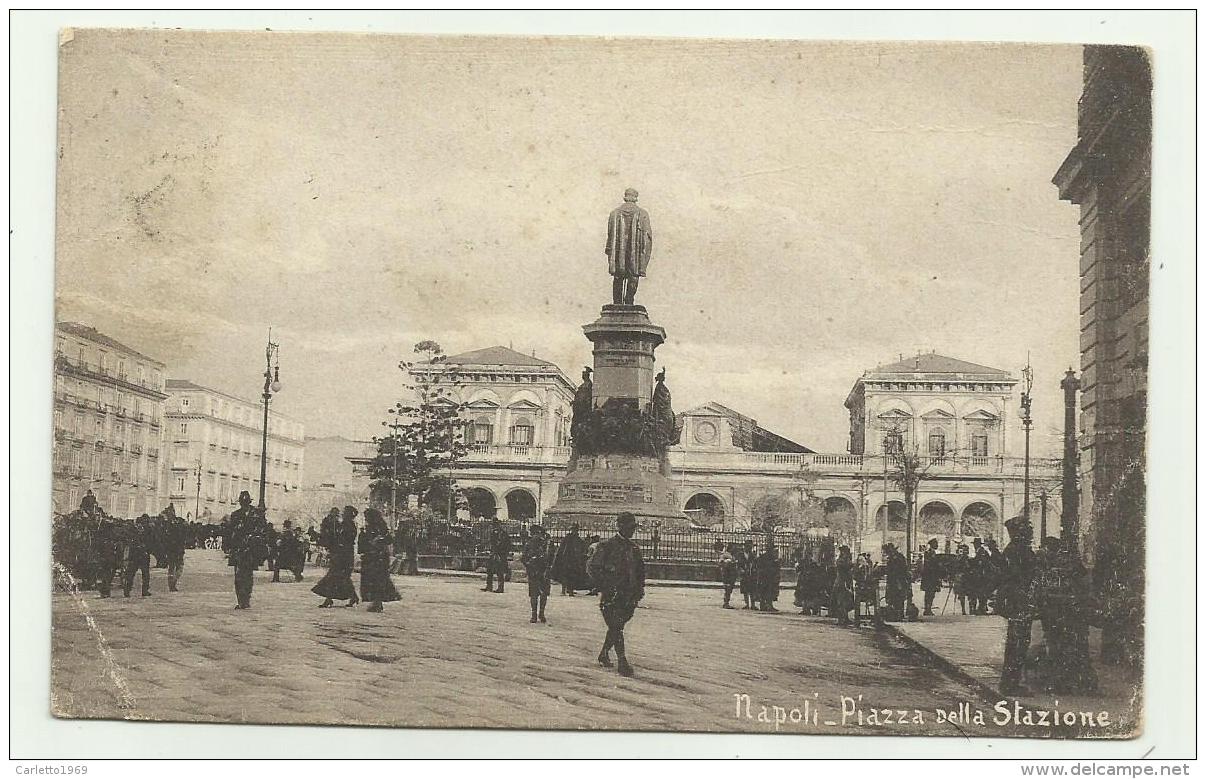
point(583, 411)
point(629, 244)
point(669, 428)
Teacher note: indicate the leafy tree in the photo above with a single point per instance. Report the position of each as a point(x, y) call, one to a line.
point(426, 430)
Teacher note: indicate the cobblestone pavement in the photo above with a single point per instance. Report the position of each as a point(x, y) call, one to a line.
point(451, 655)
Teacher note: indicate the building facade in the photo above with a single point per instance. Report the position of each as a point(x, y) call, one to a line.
point(214, 442)
point(108, 424)
point(731, 473)
point(328, 481)
point(1108, 175)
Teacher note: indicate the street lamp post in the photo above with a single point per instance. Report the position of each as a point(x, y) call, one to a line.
point(1043, 517)
point(1027, 385)
point(197, 511)
point(1068, 515)
point(272, 384)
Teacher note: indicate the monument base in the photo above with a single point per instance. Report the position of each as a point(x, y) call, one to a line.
point(599, 487)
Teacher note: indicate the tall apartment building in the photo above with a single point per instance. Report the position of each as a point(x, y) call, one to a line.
point(1108, 175)
point(214, 441)
point(108, 416)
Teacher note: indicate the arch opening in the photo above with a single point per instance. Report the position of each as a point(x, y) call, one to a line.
point(979, 519)
point(481, 503)
point(705, 509)
point(521, 505)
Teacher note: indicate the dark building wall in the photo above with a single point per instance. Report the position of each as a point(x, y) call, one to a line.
point(1108, 175)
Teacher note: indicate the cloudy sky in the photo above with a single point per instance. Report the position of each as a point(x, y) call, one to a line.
point(817, 208)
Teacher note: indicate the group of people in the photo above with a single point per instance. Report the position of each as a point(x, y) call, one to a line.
point(755, 575)
point(249, 542)
point(831, 580)
point(96, 548)
point(567, 564)
point(613, 569)
point(1050, 585)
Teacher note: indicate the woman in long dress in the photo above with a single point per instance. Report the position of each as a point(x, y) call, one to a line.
point(337, 584)
point(841, 599)
point(375, 539)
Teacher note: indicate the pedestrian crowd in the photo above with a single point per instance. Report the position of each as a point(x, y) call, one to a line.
point(96, 548)
point(1049, 586)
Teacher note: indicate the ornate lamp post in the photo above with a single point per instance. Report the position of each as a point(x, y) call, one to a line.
point(1027, 385)
point(1068, 516)
point(272, 385)
point(197, 512)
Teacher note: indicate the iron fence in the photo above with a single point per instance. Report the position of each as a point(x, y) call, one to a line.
point(662, 545)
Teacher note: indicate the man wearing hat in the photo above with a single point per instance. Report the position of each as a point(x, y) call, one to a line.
point(931, 577)
point(618, 571)
point(1017, 574)
point(246, 547)
point(537, 559)
point(500, 553)
point(899, 589)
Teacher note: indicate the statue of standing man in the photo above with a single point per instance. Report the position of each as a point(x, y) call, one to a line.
point(629, 244)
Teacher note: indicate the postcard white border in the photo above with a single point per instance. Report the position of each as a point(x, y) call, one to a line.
point(1170, 721)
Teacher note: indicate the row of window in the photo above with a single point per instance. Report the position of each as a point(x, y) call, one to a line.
point(482, 432)
point(237, 444)
point(522, 433)
point(100, 465)
point(226, 489)
point(936, 445)
point(113, 433)
point(110, 398)
point(240, 414)
point(897, 386)
point(109, 364)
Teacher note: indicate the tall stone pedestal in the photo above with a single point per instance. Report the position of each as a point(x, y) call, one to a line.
point(619, 458)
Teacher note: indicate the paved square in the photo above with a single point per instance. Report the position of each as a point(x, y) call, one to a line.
point(450, 655)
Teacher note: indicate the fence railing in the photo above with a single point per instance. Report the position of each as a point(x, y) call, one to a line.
point(666, 546)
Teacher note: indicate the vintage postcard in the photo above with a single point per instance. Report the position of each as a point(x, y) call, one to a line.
point(545, 383)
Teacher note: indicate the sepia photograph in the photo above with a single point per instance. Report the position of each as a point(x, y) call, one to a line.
point(585, 383)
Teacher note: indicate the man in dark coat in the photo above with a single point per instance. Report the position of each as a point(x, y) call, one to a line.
point(618, 572)
point(996, 564)
point(290, 553)
point(537, 559)
point(1059, 594)
point(569, 566)
point(1017, 574)
point(727, 573)
point(749, 577)
point(138, 556)
point(979, 575)
point(895, 570)
point(273, 538)
point(931, 576)
point(105, 553)
point(500, 553)
point(766, 573)
point(174, 537)
point(246, 547)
